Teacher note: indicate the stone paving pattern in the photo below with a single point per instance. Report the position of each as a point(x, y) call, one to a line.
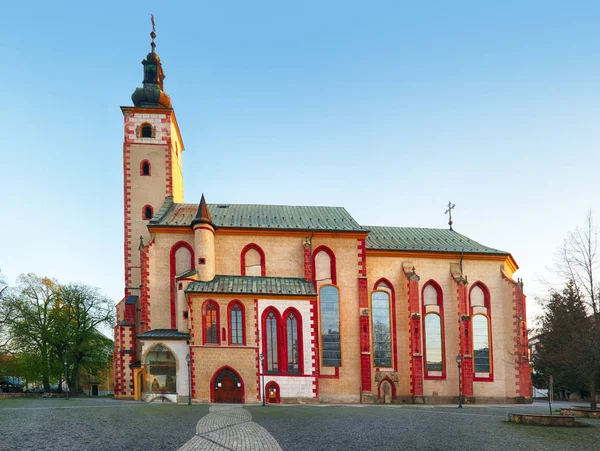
point(106, 424)
point(230, 427)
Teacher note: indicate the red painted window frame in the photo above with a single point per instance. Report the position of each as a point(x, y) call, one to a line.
point(230, 306)
point(333, 264)
point(142, 168)
point(173, 268)
point(440, 304)
point(144, 212)
point(393, 322)
point(263, 261)
point(488, 314)
point(286, 344)
point(281, 361)
point(218, 323)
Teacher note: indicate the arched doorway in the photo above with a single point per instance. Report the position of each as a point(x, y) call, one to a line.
point(227, 386)
point(387, 391)
point(272, 392)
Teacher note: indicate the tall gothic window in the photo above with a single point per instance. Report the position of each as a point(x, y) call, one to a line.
point(382, 330)
point(293, 342)
point(236, 323)
point(479, 300)
point(433, 319)
point(331, 354)
point(481, 344)
point(271, 325)
point(211, 323)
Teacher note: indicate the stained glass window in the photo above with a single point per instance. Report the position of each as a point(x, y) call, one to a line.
point(331, 353)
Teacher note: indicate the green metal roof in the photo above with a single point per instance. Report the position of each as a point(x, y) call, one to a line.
point(164, 333)
point(244, 216)
point(288, 286)
point(424, 240)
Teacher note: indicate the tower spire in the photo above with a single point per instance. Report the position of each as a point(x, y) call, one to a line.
point(152, 94)
point(152, 33)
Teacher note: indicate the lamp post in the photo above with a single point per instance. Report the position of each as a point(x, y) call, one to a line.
point(262, 378)
point(188, 359)
point(66, 382)
point(458, 362)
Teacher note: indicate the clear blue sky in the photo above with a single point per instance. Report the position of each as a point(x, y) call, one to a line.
point(389, 109)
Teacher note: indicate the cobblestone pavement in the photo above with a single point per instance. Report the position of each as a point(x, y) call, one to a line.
point(106, 424)
point(320, 427)
point(230, 427)
point(95, 424)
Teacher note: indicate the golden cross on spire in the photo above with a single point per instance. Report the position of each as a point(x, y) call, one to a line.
point(152, 20)
point(449, 213)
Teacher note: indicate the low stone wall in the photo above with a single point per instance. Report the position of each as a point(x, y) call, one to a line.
point(543, 420)
point(580, 412)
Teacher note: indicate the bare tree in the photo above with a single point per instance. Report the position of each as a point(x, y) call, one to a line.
point(579, 260)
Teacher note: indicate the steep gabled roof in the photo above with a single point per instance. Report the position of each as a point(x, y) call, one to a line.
point(247, 216)
point(424, 240)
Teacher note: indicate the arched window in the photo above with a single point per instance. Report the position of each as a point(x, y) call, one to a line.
point(236, 323)
point(271, 341)
point(293, 341)
point(210, 329)
point(147, 212)
point(146, 130)
point(324, 266)
point(181, 262)
point(252, 261)
point(479, 300)
point(481, 344)
point(145, 167)
point(329, 299)
point(382, 329)
point(160, 370)
point(433, 338)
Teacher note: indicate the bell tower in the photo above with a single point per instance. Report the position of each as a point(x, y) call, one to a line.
point(152, 164)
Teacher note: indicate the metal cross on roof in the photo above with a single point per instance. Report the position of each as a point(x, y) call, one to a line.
point(449, 213)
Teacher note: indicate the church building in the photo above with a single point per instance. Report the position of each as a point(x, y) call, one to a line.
point(244, 303)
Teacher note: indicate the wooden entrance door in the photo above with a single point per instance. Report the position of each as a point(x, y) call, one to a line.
point(228, 387)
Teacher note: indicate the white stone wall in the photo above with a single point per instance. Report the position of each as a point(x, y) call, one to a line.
point(293, 386)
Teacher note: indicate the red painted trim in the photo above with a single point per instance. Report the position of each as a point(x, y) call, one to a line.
point(487, 302)
point(440, 303)
point(300, 340)
point(256, 342)
point(173, 275)
point(268, 386)
point(214, 377)
point(279, 340)
point(386, 378)
point(394, 331)
point(263, 262)
point(218, 325)
point(142, 168)
point(230, 306)
point(314, 341)
point(332, 263)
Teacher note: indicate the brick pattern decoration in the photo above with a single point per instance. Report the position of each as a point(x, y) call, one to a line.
point(522, 367)
point(256, 342)
point(314, 344)
point(414, 326)
point(192, 343)
point(127, 210)
point(365, 325)
point(308, 270)
point(145, 291)
point(464, 333)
